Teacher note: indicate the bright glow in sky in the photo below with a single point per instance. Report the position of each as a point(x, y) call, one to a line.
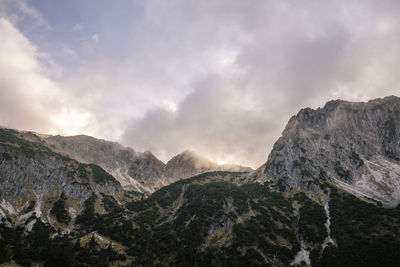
point(219, 77)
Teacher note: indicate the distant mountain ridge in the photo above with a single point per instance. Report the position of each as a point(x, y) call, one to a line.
point(138, 171)
point(188, 164)
point(38, 171)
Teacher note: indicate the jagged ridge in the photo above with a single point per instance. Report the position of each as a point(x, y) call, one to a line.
point(142, 172)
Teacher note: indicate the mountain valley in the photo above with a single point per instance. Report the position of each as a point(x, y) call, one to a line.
point(328, 195)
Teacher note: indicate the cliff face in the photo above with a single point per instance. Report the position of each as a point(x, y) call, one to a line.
point(33, 177)
point(355, 145)
point(141, 172)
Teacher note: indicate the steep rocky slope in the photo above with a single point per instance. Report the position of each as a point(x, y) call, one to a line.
point(33, 179)
point(49, 177)
point(355, 145)
point(142, 172)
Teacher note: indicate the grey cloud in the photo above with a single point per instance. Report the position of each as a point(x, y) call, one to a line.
point(236, 71)
point(209, 121)
point(290, 55)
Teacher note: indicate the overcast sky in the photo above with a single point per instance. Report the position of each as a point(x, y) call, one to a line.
point(220, 77)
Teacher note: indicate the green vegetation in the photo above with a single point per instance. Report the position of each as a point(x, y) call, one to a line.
point(12, 140)
point(110, 204)
point(82, 171)
point(367, 235)
point(59, 210)
point(322, 174)
point(312, 219)
point(88, 217)
point(100, 176)
point(6, 156)
point(356, 159)
point(36, 246)
point(390, 128)
point(171, 226)
point(30, 207)
point(203, 221)
point(302, 166)
point(345, 174)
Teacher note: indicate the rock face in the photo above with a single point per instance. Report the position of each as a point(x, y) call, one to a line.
point(91, 150)
point(137, 171)
point(32, 177)
point(52, 178)
point(355, 145)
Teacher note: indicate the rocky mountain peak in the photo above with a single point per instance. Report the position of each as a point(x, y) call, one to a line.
point(189, 153)
point(190, 157)
point(355, 144)
point(189, 163)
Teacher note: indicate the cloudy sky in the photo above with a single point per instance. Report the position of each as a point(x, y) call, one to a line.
point(220, 77)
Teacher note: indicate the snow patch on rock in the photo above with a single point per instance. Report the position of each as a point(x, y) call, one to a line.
point(302, 256)
point(380, 181)
point(7, 207)
point(38, 206)
point(328, 240)
point(30, 225)
point(128, 183)
point(73, 212)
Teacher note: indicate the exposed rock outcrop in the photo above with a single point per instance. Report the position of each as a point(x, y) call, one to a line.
point(355, 145)
point(138, 171)
point(32, 177)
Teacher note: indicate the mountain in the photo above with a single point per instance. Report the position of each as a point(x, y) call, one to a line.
point(325, 197)
point(141, 172)
point(39, 172)
point(208, 220)
point(137, 171)
point(188, 164)
point(33, 178)
point(354, 145)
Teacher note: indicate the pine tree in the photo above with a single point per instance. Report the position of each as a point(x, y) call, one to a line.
point(77, 244)
point(92, 244)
